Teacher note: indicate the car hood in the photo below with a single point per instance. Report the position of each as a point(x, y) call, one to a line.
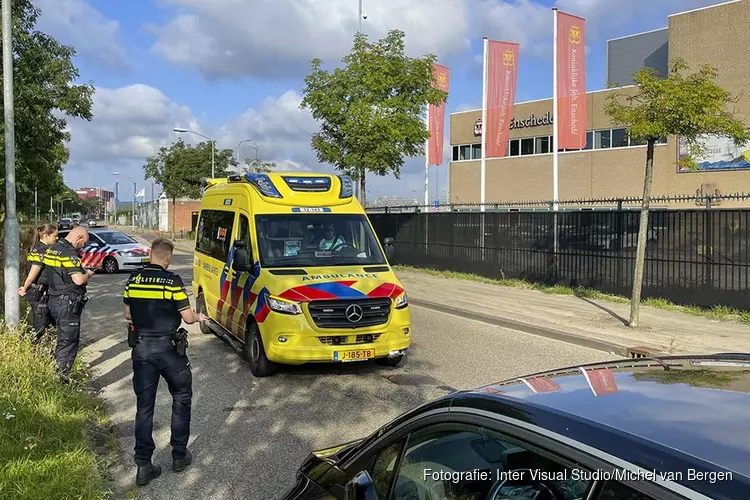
point(340, 283)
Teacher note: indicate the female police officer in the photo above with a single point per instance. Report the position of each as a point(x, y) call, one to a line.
point(44, 237)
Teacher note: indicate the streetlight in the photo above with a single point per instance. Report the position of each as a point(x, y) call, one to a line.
point(255, 146)
point(62, 205)
point(134, 199)
point(186, 131)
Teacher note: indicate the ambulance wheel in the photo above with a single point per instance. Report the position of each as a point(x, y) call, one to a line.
point(110, 265)
point(201, 306)
point(386, 361)
point(255, 353)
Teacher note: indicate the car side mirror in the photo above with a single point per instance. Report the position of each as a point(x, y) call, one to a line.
point(390, 247)
point(360, 488)
point(241, 260)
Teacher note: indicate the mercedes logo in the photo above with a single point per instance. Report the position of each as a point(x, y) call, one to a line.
point(354, 313)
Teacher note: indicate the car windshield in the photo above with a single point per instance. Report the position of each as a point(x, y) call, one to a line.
point(64, 220)
point(309, 240)
point(115, 238)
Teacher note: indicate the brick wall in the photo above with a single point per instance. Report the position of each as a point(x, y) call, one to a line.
point(183, 214)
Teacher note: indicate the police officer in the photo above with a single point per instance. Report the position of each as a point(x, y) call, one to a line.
point(67, 280)
point(35, 286)
point(156, 303)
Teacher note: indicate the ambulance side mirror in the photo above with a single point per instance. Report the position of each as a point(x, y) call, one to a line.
point(241, 260)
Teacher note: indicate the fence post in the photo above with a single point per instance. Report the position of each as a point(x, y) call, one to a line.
point(708, 247)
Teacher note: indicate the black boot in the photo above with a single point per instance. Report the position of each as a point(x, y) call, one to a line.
point(146, 473)
point(180, 464)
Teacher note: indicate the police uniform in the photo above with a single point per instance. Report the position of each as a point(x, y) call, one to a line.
point(66, 301)
point(156, 297)
point(37, 294)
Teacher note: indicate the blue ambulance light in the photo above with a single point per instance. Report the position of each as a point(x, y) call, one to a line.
point(347, 186)
point(264, 185)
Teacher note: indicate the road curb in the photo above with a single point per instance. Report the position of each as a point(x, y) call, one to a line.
point(520, 326)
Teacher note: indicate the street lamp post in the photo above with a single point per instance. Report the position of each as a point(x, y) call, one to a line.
point(186, 131)
point(12, 236)
point(255, 146)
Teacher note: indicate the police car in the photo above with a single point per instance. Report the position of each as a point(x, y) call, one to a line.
point(112, 251)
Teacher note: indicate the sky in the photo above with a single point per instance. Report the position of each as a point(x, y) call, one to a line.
point(233, 70)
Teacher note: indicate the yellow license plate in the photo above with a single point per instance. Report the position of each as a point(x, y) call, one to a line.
point(147, 259)
point(358, 355)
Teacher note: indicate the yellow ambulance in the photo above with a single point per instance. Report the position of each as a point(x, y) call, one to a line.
point(289, 271)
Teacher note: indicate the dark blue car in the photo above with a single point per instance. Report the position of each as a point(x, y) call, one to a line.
point(637, 429)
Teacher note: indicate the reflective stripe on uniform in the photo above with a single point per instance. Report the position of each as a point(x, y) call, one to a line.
point(59, 261)
point(142, 291)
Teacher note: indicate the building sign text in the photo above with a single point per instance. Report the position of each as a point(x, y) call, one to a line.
point(531, 121)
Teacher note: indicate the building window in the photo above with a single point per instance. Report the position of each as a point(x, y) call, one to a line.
point(464, 152)
point(515, 147)
point(527, 146)
point(619, 138)
point(602, 139)
point(455, 153)
point(589, 141)
point(476, 151)
point(542, 145)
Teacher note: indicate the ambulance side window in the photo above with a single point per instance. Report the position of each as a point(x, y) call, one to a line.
point(244, 231)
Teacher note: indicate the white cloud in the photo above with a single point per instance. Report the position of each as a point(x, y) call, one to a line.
point(77, 23)
point(272, 38)
point(132, 122)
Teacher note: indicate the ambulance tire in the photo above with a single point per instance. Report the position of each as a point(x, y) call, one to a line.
point(386, 361)
point(255, 353)
point(200, 303)
point(110, 265)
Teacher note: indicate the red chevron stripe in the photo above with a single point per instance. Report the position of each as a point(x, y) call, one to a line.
point(293, 294)
point(382, 291)
point(346, 283)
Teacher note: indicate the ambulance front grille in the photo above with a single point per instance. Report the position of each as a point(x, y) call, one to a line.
point(333, 313)
point(347, 340)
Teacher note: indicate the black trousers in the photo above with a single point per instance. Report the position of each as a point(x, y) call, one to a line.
point(41, 320)
point(68, 333)
point(154, 358)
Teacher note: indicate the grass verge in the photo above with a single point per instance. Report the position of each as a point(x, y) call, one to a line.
point(55, 440)
point(717, 312)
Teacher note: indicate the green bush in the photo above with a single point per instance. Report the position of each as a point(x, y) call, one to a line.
point(48, 430)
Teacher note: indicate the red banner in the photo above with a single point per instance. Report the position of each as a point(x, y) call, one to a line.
point(601, 382)
point(502, 75)
point(571, 82)
point(542, 384)
point(437, 118)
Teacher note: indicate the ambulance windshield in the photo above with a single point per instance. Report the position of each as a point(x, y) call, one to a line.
point(314, 239)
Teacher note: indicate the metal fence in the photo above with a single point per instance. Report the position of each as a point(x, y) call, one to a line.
point(697, 256)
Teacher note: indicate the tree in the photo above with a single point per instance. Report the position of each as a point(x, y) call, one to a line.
point(256, 165)
point(371, 111)
point(180, 167)
point(44, 92)
point(685, 105)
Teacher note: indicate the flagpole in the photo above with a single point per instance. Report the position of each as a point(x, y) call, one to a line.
point(555, 147)
point(427, 161)
point(482, 174)
point(554, 115)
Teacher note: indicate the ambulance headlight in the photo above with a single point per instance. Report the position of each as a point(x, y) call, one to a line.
point(283, 306)
point(402, 301)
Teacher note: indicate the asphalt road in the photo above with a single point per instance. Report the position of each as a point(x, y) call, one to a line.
point(249, 435)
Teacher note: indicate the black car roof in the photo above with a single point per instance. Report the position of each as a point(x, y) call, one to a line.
point(695, 409)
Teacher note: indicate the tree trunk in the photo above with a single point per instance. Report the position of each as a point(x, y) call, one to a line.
point(363, 188)
point(174, 217)
point(640, 256)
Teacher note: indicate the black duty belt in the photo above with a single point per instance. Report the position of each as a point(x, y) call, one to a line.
point(161, 335)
